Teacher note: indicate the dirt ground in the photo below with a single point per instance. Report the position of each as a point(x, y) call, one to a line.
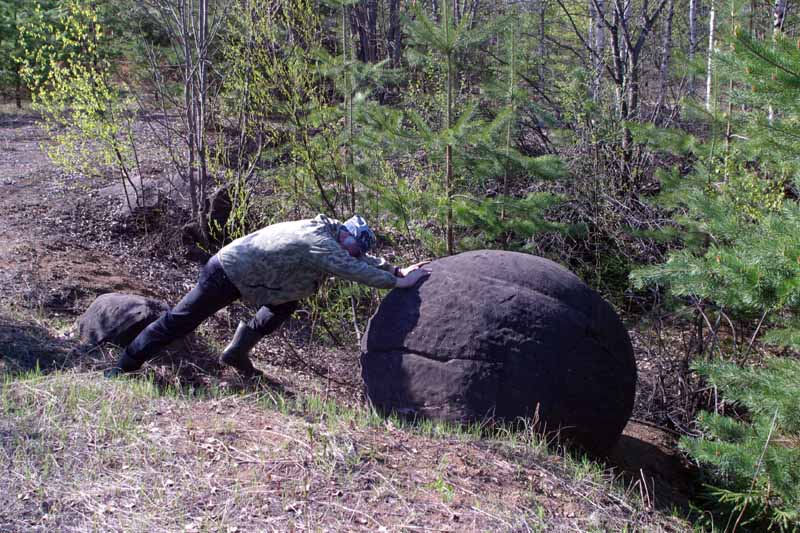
point(62, 243)
point(53, 244)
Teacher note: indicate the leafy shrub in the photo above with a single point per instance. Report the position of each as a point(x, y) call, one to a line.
point(67, 67)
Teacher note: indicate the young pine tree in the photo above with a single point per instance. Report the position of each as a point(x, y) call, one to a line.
point(466, 146)
point(741, 260)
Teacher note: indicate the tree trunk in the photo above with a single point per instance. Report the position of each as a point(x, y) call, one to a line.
point(542, 7)
point(512, 63)
point(625, 17)
point(18, 88)
point(17, 66)
point(188, 95)
point(348, 108)
point(365, 21)
point(201, 98)
point(372, 29)
point(710, 57)
point(630, 105)
point(591, 44)
point(598, 41)
point(666, 56)
point(619, 68)
point(633, 86)
point(778, 16)
point(194, 35)
point(394, 35)
point(448, 154)
point(692, 29)
point(472, 13)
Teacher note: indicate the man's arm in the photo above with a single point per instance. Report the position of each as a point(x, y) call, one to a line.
point(335, 260)
point(403, 272)
point(383, 264)
point(380, 262)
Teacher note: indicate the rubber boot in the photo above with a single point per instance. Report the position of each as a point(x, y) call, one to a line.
point(236, 354)
point(124, 364)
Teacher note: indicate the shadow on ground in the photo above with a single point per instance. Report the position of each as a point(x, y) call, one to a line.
point(645, 459)
point(190, 363)
point(17, 119)
point(649, 462)
point(26, 346)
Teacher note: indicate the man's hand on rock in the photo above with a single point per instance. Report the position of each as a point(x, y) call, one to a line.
point(403, 272)
point(413, 277)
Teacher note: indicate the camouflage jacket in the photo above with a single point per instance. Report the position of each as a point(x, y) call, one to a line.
point(289, 261)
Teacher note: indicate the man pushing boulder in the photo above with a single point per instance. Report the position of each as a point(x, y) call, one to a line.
point(272, 268)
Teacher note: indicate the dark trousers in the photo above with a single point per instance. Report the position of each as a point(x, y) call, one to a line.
point(213, 292)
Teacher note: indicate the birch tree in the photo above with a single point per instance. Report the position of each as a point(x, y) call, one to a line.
point(626, 51)
point(710, 56)
point(692, 38)
point(597, 39)
point(778, 16)
point(192, 29)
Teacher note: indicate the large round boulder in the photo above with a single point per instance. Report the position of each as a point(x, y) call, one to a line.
point(117, 318)
point(503, 335)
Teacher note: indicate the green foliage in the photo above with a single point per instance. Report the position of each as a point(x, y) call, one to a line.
point(469, 191)
point(278, 82)
point(14, 41)
point(493, 221)
point(405, 204)
point(340, 309)
point(671, 140)
point(746, 267)
point(741, 257)
point(742, 249)
point(239, 222)
point(295, 100)
point(313, 111)
point(9, 42)
point(753, 461)
point(70, 77)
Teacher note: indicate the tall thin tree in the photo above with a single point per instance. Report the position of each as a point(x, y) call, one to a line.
point(693, 4)
point(666, 56)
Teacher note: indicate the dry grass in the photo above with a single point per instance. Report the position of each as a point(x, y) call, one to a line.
point(83, 453)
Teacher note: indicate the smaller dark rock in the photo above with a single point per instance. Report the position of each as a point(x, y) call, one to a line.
point(118, 318)
point(131, 201)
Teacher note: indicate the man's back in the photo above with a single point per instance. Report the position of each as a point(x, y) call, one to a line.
point(270, 266)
